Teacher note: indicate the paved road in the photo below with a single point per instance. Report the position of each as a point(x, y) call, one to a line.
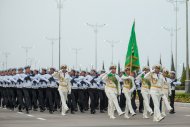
point(37, 119)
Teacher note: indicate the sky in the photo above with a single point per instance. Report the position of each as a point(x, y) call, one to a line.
point(27, 23)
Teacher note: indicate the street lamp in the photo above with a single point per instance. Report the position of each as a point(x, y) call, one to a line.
point(52, 43)
point(26, 50)
point(60, 6)
point(187, 81)
point(95, 29)
point(76, 50)
point(171, 31)
point(176, 9)
point(112, 43)
point(6, 54)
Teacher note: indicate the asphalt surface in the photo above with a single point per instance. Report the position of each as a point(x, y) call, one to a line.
point(37, 119)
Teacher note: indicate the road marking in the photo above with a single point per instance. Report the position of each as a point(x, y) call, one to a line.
point(187, 115)
point(20, 113)
point(30, 115)
point(185, 107)
point(41, 119)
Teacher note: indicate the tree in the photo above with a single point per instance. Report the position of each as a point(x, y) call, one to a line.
point(183, 76)
point(172, 64)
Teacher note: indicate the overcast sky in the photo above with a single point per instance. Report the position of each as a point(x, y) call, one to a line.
point(28, 22)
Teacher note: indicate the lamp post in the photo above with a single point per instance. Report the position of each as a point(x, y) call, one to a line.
point(112, 43)
point(95, 29)
point(52, 45)
point(26, 50)
point(76, 50)
point(187, 81)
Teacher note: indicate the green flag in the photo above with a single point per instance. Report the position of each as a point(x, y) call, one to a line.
point(132, 57)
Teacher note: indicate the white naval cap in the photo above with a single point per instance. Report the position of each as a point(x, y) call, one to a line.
point(165, 70)
point(113, 66)
point(157, 66)
point(146, 68)
point(172, 72)
point(63, 66)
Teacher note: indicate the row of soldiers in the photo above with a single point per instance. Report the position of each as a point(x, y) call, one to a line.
point(32, 90)
point(73, 90)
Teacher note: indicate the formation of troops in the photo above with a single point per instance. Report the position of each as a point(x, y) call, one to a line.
point(73, 91)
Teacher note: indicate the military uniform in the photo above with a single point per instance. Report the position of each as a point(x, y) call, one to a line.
point(156, 80)
point(166, 91)
point(145, 91)
point(128, 88)
point(64, 86)
point(112, 90)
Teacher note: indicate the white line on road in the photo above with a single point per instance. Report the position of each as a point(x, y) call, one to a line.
point(187, 115)
point(41, 119)
point(30, 115)
point(185, 107)
point(20, 113)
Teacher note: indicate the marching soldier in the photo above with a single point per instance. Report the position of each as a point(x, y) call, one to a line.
point(112, 89)
point(174, 83)
point(42, 90)
point(156, 79)
point(145, 91)
point(73, 97)
point(166, 90)
point(26, 88)
point(92, 89)
point(128, 88)
point(64, 86)
point(20, 84)
point(35, 87)
point(50, 93)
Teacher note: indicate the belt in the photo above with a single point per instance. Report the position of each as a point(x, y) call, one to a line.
point(145, 87)
point(128, 87)
point(156, 87)
point(63, 85)
point(110, 86)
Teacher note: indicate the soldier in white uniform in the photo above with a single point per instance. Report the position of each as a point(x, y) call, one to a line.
point(166, 91)
point(112, 89)
point(128, 88)
point(156, 79)
point(145, 91)
point(64, 86)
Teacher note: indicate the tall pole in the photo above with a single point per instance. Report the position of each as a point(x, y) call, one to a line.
point(187, 82)
point(76, 50)
point(171, 31)
point(95, 29)
point(52, 46)
point(59, 6)
point(26, 50)
point(112, 43)
point(6, 54)
point(175, 3)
